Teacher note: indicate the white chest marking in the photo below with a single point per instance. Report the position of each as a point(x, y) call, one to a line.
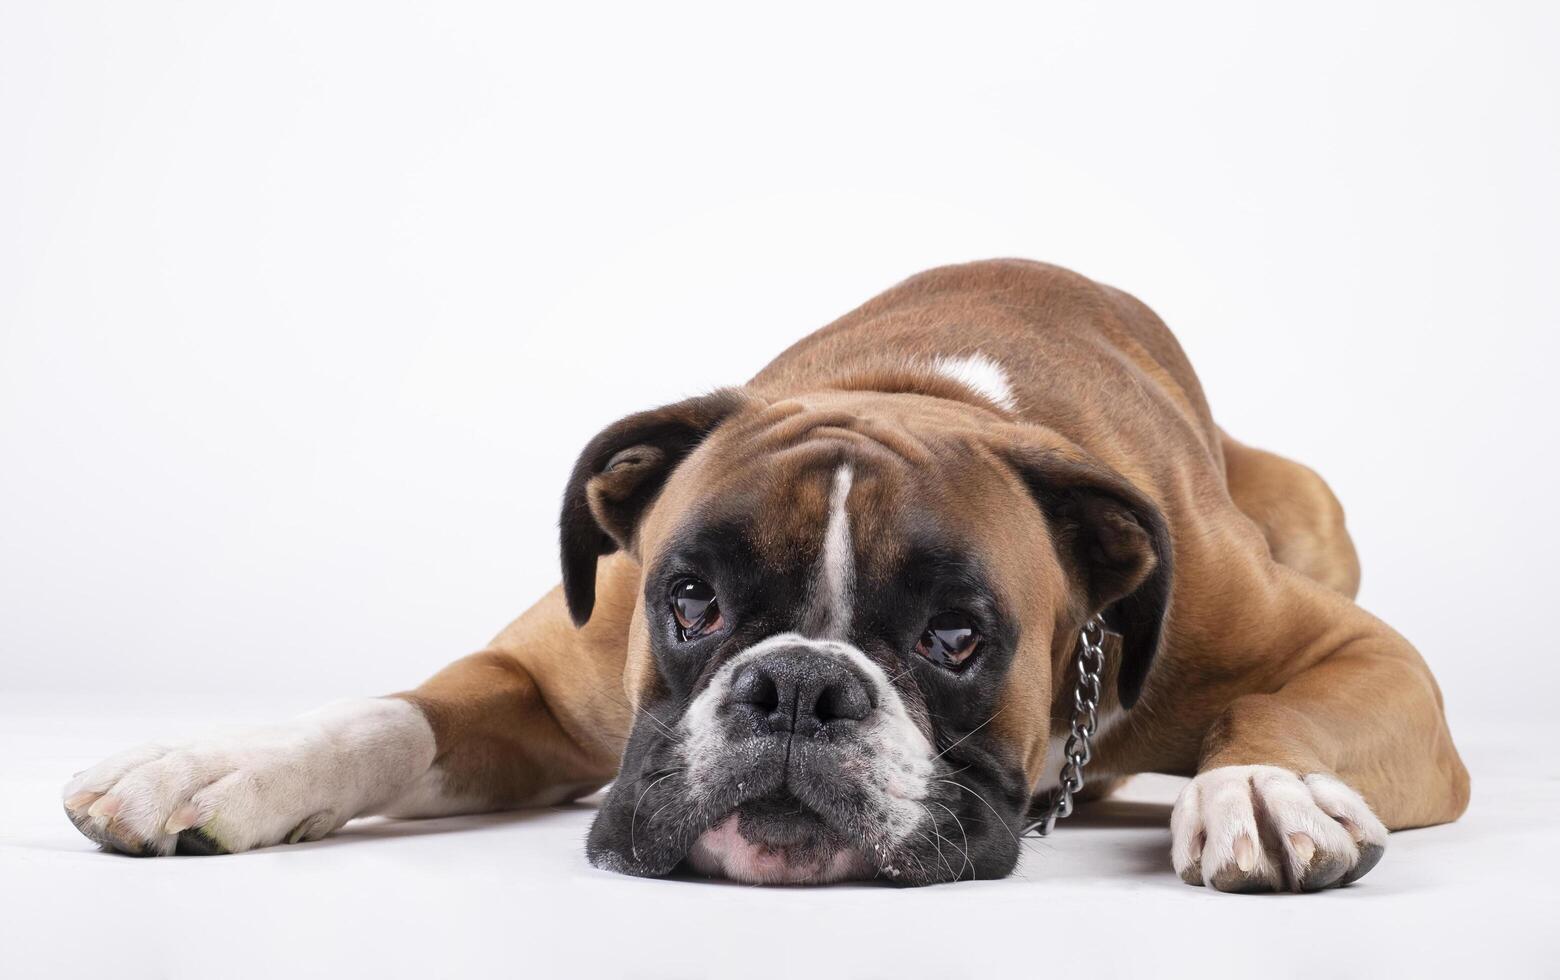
point(981, 375)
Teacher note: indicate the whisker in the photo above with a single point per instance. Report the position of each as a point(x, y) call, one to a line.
point(664, 771)
point(994, 813)
point(657, 813)
point(908, 670)
point(967, 734)
point(920, 864)
point(960, 823)
point(940, 839)
point(633, 845)
point(659, 723)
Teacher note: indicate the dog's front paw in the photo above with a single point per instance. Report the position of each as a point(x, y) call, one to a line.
point(293, 782)
point(1262, 828)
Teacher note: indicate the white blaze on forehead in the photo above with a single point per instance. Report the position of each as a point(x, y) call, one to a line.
point(981, 375)
point(839, 560)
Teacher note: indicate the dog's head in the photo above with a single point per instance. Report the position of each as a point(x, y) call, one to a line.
point(853, 607)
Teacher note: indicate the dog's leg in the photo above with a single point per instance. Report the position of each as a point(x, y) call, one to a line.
point(536, 719)
point(1296, 512)
point(1338, 736)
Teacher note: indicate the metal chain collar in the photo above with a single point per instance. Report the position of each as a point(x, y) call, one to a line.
point(1086, 703)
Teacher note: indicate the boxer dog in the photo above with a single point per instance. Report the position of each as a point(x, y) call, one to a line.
point(824, 626)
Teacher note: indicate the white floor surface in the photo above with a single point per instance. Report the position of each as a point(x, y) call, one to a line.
point(512, 895)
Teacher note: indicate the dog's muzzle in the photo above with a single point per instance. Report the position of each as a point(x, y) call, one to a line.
point(788, 694)
point(834, 762)
point(797, 761)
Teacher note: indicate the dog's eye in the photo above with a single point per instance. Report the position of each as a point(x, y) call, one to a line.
point(949, 639)
point(695, 609)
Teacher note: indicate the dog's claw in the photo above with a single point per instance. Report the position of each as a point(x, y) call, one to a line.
point(81, 801)
point(1370, 854)
point(182, 819)
point(1245, 854)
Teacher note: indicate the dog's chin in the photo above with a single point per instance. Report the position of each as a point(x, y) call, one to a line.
point(776, 842)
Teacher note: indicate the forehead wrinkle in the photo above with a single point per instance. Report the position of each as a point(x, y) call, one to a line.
point(864, 428)
point(790, 506)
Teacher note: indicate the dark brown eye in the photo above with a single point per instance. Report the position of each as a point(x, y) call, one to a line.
point(949, 639)
point(695, 609)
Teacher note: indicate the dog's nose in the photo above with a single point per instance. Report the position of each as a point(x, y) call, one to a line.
point(800, 691)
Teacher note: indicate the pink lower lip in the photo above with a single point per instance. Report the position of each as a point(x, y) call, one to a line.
point(722, 851)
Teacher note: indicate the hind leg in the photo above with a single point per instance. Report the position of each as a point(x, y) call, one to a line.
point(1297, 513)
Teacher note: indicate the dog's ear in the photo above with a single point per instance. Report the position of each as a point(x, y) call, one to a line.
point(1116, 546)
point(618, 475)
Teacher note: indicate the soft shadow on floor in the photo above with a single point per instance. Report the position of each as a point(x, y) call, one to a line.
point(386, 828)
point(366, 829)
point(1146, 853)
point(1110, 814)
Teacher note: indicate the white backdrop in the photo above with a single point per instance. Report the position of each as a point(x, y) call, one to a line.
point(306, 308)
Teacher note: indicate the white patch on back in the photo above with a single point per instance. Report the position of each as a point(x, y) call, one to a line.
point(839, 560)
point(981, 375)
